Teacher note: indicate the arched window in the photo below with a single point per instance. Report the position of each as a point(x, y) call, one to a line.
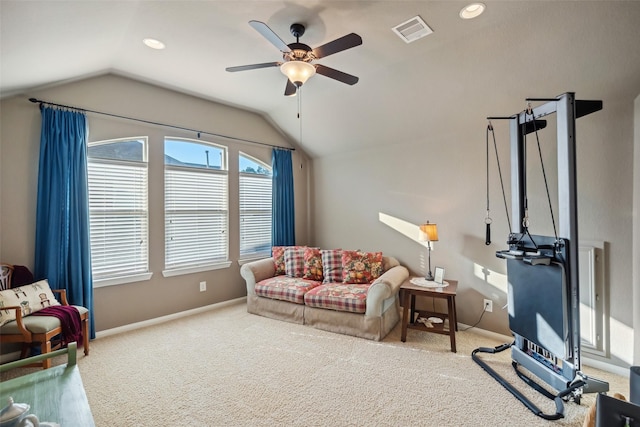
point(255, 208)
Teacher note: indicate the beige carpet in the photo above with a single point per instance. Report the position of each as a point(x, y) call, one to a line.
point(229, 368)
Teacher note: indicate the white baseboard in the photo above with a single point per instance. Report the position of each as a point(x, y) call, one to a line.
point(167, 318)
point(614, 369)
point(490, 334)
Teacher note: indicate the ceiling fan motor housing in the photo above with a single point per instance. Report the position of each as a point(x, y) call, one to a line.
point(299, 52)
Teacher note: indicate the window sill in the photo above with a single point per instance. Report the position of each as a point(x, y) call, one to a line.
point(122, 280)
point(195, 269)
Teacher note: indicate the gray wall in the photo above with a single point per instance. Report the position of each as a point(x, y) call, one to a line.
point(128, 303)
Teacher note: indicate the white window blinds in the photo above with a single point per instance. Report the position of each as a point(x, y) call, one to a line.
point(196, 217)
point(255, 215)
point(118, 214)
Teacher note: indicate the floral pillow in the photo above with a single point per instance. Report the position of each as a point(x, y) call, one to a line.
point(278, 259)
point(331, 265)
point(312, 264)
point(294, 261)
point(361, 267)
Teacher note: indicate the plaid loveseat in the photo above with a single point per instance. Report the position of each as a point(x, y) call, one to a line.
point(348, 292)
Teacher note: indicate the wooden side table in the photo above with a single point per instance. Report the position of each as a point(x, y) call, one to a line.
point(408, 293)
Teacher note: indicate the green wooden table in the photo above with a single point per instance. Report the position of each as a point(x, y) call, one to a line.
point(55, 394)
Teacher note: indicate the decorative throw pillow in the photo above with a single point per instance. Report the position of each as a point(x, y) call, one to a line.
point(278, 259)
point(294, 261)
point(312, 264)
point(361, 267)
point(30, 298)
point(331, 265)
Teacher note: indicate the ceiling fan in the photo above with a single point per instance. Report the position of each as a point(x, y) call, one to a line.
point(297, 57)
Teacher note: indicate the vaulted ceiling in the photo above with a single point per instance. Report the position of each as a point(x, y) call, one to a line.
point(464, 71)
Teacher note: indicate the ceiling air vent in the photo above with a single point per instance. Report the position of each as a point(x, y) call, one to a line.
point(412, 30)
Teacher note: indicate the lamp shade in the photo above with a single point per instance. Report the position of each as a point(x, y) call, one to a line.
point(298, 72)
point(429, 232)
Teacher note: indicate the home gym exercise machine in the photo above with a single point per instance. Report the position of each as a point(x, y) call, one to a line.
point(542, 271)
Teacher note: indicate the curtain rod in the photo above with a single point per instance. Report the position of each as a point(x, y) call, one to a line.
point(198, 132)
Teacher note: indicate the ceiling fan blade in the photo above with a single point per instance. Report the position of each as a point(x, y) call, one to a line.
point(338, 45)
point(291, 89)
point(268, 34)
point(337, 75)
point(253, 66)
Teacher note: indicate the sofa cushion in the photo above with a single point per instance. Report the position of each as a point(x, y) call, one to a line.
point(313, 264)
point(285, 288)
point(339, 296)
point(361, 267)
point(294, 261)
point(31, 298)
point(331, 265)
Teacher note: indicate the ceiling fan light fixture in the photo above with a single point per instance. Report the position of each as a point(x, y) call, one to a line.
point(472, 11)
point(298, 72)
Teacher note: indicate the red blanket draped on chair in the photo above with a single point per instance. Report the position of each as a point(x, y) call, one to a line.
point(69, 320)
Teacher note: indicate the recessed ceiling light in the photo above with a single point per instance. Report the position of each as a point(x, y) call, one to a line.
point(153, 43)
point(472, 11)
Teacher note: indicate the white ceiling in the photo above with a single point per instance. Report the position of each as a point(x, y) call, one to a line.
point(464, 71)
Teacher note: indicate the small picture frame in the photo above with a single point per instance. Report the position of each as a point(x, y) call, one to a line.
point(439, 275)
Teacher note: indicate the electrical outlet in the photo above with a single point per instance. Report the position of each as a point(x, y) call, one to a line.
point(203, 286)
point(488, 305)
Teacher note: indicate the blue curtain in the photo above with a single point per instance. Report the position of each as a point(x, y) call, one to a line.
point(63, 252)
point(283, 212)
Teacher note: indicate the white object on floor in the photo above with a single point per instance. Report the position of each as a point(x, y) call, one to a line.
point(425, 322)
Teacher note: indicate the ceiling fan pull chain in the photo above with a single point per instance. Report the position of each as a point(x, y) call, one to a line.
point(299, 108)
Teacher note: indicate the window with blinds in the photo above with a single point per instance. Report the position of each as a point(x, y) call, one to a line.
point(117, 171)
point(196, 204)
point(255, 208)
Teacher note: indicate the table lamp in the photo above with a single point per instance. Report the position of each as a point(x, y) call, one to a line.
point(429, 233)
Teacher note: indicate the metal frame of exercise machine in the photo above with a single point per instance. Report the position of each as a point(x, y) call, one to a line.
point(542, 271)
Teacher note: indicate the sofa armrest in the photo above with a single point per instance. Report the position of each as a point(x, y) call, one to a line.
point(255, 271)
point(385, 287)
